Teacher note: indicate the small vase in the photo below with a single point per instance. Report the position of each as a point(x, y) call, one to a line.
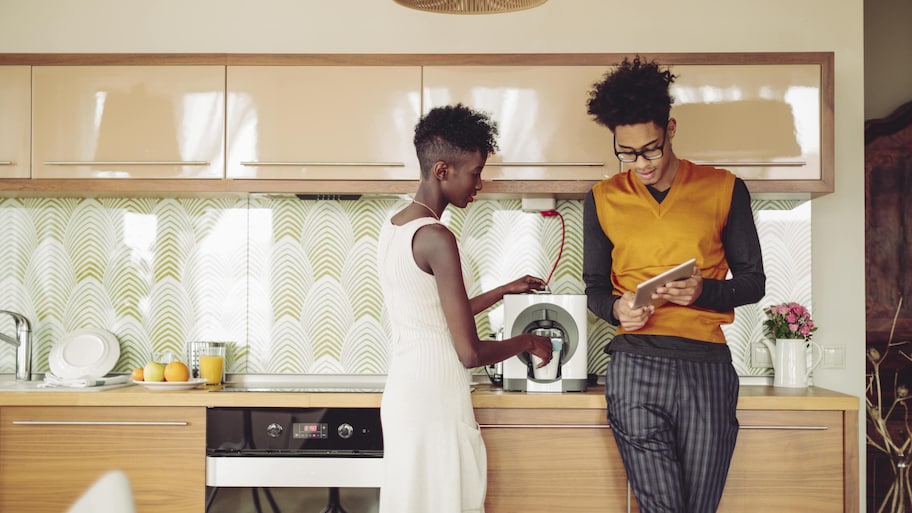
point(790, 362)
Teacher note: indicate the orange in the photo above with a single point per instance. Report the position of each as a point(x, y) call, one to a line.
point(177, 371)
point(137, 374)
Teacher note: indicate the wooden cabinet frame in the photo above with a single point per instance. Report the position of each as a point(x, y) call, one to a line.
point(565, 189)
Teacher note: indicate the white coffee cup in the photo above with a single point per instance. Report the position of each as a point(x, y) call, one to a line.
point(548, 371)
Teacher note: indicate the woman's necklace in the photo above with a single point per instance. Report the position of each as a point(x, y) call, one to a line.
point(429, 209)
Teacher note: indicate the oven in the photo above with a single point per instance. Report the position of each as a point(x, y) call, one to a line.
point(299, 459)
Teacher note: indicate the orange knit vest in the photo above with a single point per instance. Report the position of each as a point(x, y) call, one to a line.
point(651, 237)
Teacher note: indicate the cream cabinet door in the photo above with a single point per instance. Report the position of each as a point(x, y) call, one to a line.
point(541, 113)
point(15, 102)
point(323, 122)
point(762, 122)
point(128, 121)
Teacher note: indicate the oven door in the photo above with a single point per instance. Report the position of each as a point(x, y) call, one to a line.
point(296, 459)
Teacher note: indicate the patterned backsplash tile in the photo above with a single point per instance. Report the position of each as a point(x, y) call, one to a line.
point(292, 283)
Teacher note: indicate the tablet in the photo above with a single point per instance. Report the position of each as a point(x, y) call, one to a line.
point(644, 290)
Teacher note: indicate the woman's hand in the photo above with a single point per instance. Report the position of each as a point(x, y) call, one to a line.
point(540, 347)
point(524, 284)
point(632, 318)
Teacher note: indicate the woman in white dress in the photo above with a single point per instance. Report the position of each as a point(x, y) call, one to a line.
point(434, 457)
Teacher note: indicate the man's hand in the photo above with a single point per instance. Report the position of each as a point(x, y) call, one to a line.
point(681, 292)
point(631, 318)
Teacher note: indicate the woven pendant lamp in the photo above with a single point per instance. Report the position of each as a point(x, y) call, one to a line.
point(470, 6)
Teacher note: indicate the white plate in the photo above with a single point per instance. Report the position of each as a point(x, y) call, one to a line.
point(171, 385)
point(85, 352)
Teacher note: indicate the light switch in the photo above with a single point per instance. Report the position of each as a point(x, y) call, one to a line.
point(833, 357)
point(760, 356)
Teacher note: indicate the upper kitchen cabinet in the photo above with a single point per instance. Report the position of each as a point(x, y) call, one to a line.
point(761, 121)
point(545, 131)
point(15, 102)
point(322, 122)
point(128, 122)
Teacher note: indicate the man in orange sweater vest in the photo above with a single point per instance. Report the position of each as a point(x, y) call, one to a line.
point(670, 384)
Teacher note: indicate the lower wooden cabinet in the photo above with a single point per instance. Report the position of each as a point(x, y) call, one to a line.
point(50, 455)
point(542, 460)
point(539, 459)
point(790, 461)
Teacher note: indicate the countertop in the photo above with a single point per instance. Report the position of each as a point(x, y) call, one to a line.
point(752, 397)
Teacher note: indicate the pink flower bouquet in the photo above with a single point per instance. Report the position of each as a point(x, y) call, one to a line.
point(789, 320)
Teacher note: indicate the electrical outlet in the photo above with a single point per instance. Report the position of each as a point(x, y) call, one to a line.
point(532, 203)
point(760, 356)
point(833, 357)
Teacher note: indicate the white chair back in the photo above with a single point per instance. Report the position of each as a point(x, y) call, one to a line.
point(111, 493)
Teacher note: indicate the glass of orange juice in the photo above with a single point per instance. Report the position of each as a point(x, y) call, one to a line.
point(212, 364)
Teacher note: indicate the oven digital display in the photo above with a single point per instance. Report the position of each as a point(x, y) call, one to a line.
point(310, 430)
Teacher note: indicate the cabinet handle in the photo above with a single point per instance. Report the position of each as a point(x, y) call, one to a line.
point(544, 164)
point(100, 423)
point(5, 163)
point(797, 163)
point(606, 426)
point(126, 163)
point(806, 428)
point(331, 164)
point(547, 426)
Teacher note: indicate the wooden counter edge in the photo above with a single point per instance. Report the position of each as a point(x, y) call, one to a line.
point(752, 397)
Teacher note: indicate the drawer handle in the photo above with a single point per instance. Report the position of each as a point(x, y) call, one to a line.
point(100, 423)
point(606, 426)
point(805, 428)
point(545, 164)
point(5, 163)
point(329, 164)
point(547, 426)
point(126, 163)
point(797, 163)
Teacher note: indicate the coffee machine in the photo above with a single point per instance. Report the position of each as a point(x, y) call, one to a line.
point(563, 319)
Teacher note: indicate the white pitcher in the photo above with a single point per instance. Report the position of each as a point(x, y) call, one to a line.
point(789, 355)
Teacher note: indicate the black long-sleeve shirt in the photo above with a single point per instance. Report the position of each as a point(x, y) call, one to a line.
point(742, 251)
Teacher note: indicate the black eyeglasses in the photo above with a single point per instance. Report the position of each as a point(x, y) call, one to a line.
point(648, 154)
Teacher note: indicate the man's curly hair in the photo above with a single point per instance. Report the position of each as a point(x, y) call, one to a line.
point(633, 93)
point(451, 132)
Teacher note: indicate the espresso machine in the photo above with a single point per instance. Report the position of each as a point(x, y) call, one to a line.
point(563, 319)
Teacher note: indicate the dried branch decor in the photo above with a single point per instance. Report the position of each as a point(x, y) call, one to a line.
point(888, 425)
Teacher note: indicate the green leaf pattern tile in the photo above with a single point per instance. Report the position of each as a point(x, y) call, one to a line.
point(292, 284)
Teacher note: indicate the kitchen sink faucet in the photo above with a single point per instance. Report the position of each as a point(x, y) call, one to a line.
point(23, 344)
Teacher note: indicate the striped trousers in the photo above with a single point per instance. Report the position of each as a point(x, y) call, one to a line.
point(675, 427)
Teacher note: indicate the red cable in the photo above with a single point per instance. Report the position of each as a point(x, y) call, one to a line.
point(552, 213)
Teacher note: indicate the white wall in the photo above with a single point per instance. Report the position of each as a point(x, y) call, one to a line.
point(381, 26)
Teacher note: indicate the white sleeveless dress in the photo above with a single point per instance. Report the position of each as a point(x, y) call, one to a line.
point(434, 457)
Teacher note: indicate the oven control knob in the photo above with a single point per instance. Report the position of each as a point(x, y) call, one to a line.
point(274, 430)
point(346, 431)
